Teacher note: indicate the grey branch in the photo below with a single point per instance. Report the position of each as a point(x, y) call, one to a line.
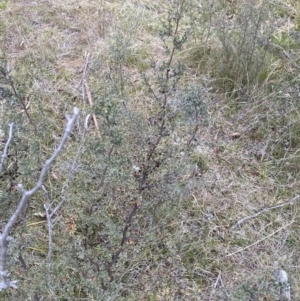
point(26, 194)
point(262, 211)
point(4, 155)
point(50, 250)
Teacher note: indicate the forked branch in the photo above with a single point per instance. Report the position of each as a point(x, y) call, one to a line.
point(26, 194)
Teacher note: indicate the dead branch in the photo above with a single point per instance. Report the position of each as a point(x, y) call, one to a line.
point(26, 194)
point(264, 210)
point(4, 155)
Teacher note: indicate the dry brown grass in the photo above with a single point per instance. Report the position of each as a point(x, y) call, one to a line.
point(249, 167)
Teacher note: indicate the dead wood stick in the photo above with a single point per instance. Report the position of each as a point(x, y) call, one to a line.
point(89, 96)
point(264, 210)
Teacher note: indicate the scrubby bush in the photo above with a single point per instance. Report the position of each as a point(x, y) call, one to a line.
point(177, 180)
point(115, 196)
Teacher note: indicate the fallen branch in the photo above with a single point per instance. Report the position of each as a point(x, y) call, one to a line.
point(264, 210)
point(259, 241)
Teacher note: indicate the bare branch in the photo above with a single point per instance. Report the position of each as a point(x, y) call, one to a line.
point(64, 191)
point(50, 249)
point(262, 211)
point(259, 241)
point(26, 194)
point(4, 155)
point(50, 213)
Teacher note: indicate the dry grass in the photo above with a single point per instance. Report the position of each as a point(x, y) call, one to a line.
point(250, 146)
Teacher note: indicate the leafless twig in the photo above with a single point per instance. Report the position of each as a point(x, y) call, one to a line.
point(84, 73)
point(264, 210)
point(50, 250)
point(259, 241)
point(66, 185)
point(4, 155)
point(50, 213)
point(26, 194)
point(215, 285)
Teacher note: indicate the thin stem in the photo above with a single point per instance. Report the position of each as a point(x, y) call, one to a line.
point(4, 155)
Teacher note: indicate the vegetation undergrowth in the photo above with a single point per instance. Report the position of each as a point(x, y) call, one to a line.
point(180, 178)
